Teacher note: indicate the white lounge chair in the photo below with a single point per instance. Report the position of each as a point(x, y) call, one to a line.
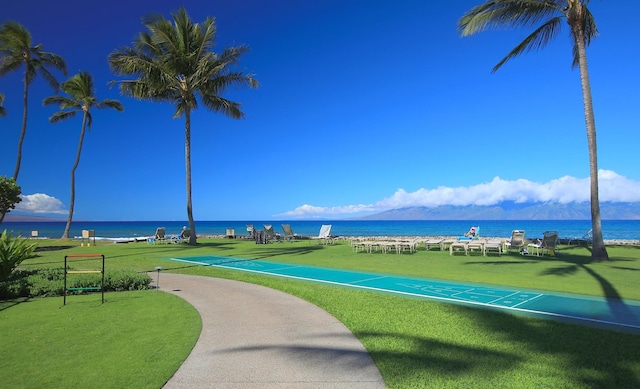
point(324, 236)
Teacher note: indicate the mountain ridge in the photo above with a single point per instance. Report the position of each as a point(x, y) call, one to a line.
point(511, 211)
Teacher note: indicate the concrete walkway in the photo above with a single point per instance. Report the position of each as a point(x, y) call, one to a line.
point(257, 337)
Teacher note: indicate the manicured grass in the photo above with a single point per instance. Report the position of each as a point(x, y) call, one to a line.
point(418, 343)
point(134, 340)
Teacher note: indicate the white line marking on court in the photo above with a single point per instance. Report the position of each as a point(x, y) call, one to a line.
point(504, 297)
point(369, 279)
point(528, 300)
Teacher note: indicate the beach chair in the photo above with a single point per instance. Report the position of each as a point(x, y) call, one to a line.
point(251, 231)
point(516, 242)
point(289, 235)
point(160, 236)
point(476, 234)
point(185, 235)
point(549, 242)
point(230, 233)
point(271, 234)
point(324, 236)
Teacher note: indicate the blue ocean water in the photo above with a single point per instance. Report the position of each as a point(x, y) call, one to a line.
point(612, 229)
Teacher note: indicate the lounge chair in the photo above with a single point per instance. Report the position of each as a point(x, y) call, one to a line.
point(516, 242)
point(288, 233)
point(160, 236)
point(185, 235)
point(271, 234)
point(585, 239)
point(251, 231)
point(476, 234)
point(549, 242)
point(324, 235)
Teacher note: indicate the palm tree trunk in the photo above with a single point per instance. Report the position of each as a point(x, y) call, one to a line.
point(65, 234)
point(187, 157)
point(599, 250)
point(24, 128)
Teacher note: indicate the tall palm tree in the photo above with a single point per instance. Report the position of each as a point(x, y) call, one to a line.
point(81, 98)
point(175, 62)
point(3, 111)
point(15, 50)
point(550, 14)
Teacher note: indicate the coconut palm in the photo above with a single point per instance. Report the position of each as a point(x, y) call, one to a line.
point(15, 50)
point(550, 14)
point(81, 98)
point(3, 111)
point(175, 62)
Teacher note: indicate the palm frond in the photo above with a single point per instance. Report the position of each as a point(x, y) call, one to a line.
point(536, 40)
point(61, 115)
point(110, 104)
point(507, 14)
point(3, 111)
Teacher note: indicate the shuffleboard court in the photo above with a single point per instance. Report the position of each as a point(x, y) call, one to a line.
point(587, 310)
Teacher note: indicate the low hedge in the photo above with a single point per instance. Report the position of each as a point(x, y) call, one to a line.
point(50, 282)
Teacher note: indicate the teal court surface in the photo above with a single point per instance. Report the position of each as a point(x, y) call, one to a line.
point(578, 309)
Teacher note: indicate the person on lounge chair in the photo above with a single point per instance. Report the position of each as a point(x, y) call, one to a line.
point(471, 233)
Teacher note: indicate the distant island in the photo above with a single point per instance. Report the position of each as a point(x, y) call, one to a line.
point(512, 211)
point(502, 211)
point(30, 219)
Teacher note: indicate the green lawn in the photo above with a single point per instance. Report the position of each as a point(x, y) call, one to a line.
point(415, 343)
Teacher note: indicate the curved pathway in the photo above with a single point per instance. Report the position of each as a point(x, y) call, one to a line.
point(256, 337)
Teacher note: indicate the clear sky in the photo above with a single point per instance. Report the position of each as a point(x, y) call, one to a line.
point(364, 106)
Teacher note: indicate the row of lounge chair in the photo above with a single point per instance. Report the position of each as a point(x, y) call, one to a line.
point(268, 234)
point(160, 237)
point(466, 244)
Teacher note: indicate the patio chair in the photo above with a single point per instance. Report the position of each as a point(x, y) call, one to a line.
point(289, 235)
point(271, 234)
point(185, 235)
point(549, 242)
point(251, 231)
point(472, 234)
point(160, 236)
point(516, 242)
point(324, 235)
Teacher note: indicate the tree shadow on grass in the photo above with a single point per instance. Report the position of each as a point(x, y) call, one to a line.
point(431, 361)
point(493, 345)
point(593, 355)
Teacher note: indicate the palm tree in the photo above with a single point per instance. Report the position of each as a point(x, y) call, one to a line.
point(550, 13)
point(174, 62)
point(81, 98)
point(3, 111)
point(15, 50)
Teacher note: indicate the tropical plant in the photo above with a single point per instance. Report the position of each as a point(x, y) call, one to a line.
point(12, 253)
point(174, 62)
point(15, 50)
point(9, 195)
point(81, 98)
point(550, 13)
point(3, 111)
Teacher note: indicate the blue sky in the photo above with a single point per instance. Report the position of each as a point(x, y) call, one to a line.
point(363, 106)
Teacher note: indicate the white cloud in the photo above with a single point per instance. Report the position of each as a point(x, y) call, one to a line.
point(612, 188)
point(40, 203)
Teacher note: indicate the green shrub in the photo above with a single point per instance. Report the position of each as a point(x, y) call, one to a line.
point(12, 253)
point(50, 282)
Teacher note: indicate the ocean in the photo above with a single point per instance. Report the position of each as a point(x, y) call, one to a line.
point(111, 230)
